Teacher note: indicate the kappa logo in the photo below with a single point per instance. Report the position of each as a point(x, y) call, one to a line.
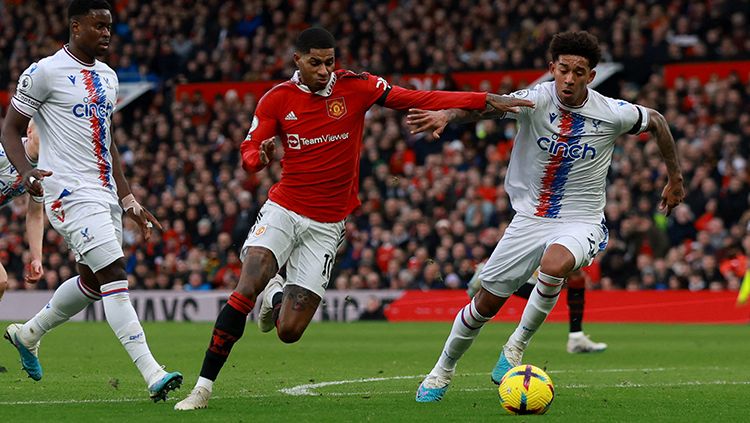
point(291, 116)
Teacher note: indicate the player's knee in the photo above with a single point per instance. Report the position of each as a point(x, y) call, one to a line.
point(258, 267)
point(557, 261)
point(289, 334)
point(488, 304)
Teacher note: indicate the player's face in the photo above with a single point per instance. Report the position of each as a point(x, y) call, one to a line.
point(91, 33)
point(316, 67)
point(572, 75)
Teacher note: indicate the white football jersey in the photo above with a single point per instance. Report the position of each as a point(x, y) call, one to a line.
point(11, 185)
point(561, 154)
point(72, 103)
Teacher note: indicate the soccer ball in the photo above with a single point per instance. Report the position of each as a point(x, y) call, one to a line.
point(526, 389)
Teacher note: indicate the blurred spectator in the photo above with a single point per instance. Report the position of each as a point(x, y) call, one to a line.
point(432, 209)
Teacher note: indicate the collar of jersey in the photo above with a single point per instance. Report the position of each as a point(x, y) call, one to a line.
point(325, 92)
point(560, 102)
point(65, 47)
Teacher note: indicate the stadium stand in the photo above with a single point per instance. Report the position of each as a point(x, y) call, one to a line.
point(431, 210)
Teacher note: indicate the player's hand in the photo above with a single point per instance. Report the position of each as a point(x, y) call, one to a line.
point(34, 271)
point(427, 120)
point(507, 103)
point(32, 181)
point(671, 196)
point(146, 221)
point(267, 147)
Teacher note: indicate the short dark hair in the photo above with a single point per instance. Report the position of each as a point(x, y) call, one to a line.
point(576, 43)
point(83, 7)
point(315, 37)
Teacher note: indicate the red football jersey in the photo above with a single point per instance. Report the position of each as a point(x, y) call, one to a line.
point(322, 135)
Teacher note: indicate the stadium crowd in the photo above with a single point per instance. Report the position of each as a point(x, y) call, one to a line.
point(431, 209)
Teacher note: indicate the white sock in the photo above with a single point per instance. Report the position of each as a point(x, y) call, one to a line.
point(68, 300)
point(575, 334)
point(543, 298)
point(124, 322)
point(465, 328)
point(206, 383)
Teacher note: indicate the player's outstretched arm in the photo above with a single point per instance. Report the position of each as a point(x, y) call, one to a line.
point(674, 191)
point(34, 234)
point(14, 126)
point(497, 107)
point(145, 220)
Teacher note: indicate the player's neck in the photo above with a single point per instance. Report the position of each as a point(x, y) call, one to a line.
point(577, 103)
point(79, 54)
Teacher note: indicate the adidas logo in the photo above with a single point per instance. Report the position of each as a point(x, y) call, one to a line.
point(291, 116)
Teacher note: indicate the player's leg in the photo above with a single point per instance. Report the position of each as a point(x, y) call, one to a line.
point(70, 298)
point(123, 319)
point(308, 273)
point(568, 248)
point(94, 231)
point(579, 342)
point(512, 262)
point(3, 281)
point(268, 243)
point(259, 265)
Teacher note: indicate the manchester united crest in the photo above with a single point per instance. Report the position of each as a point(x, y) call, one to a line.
point(336, 107)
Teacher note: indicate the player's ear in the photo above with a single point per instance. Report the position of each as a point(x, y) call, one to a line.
point(552, 67)
point(591, 76)
point(296, 58)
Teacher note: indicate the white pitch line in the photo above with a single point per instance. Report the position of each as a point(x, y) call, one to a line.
point(309, 388)
point(119, 400)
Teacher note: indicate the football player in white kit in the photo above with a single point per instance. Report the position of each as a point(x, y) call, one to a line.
point(11, 186)
point(556, 182)
point(71, 97)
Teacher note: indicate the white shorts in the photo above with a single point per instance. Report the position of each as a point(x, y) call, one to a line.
point(520, 251)
point(307, 247)
point(93, 230)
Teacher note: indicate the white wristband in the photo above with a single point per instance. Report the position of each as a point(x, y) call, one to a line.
point(128, 202)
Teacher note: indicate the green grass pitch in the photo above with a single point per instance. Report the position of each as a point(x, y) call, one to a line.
point(370, 371)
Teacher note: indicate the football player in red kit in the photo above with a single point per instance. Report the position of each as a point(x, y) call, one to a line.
point(319, 115)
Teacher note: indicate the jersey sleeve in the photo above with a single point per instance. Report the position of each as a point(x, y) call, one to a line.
point(531, 94)
point(263, 126)
point(380, 92)
point(633, 117)
point(375, 89)
point(32, 90)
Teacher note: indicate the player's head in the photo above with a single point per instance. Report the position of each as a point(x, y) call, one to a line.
point(314, 56)
point(90, 26)
point(574, 55)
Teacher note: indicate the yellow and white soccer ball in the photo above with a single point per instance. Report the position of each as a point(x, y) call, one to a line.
point(526, 389)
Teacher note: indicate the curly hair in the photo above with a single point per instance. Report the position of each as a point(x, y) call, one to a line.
point(577, 43)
